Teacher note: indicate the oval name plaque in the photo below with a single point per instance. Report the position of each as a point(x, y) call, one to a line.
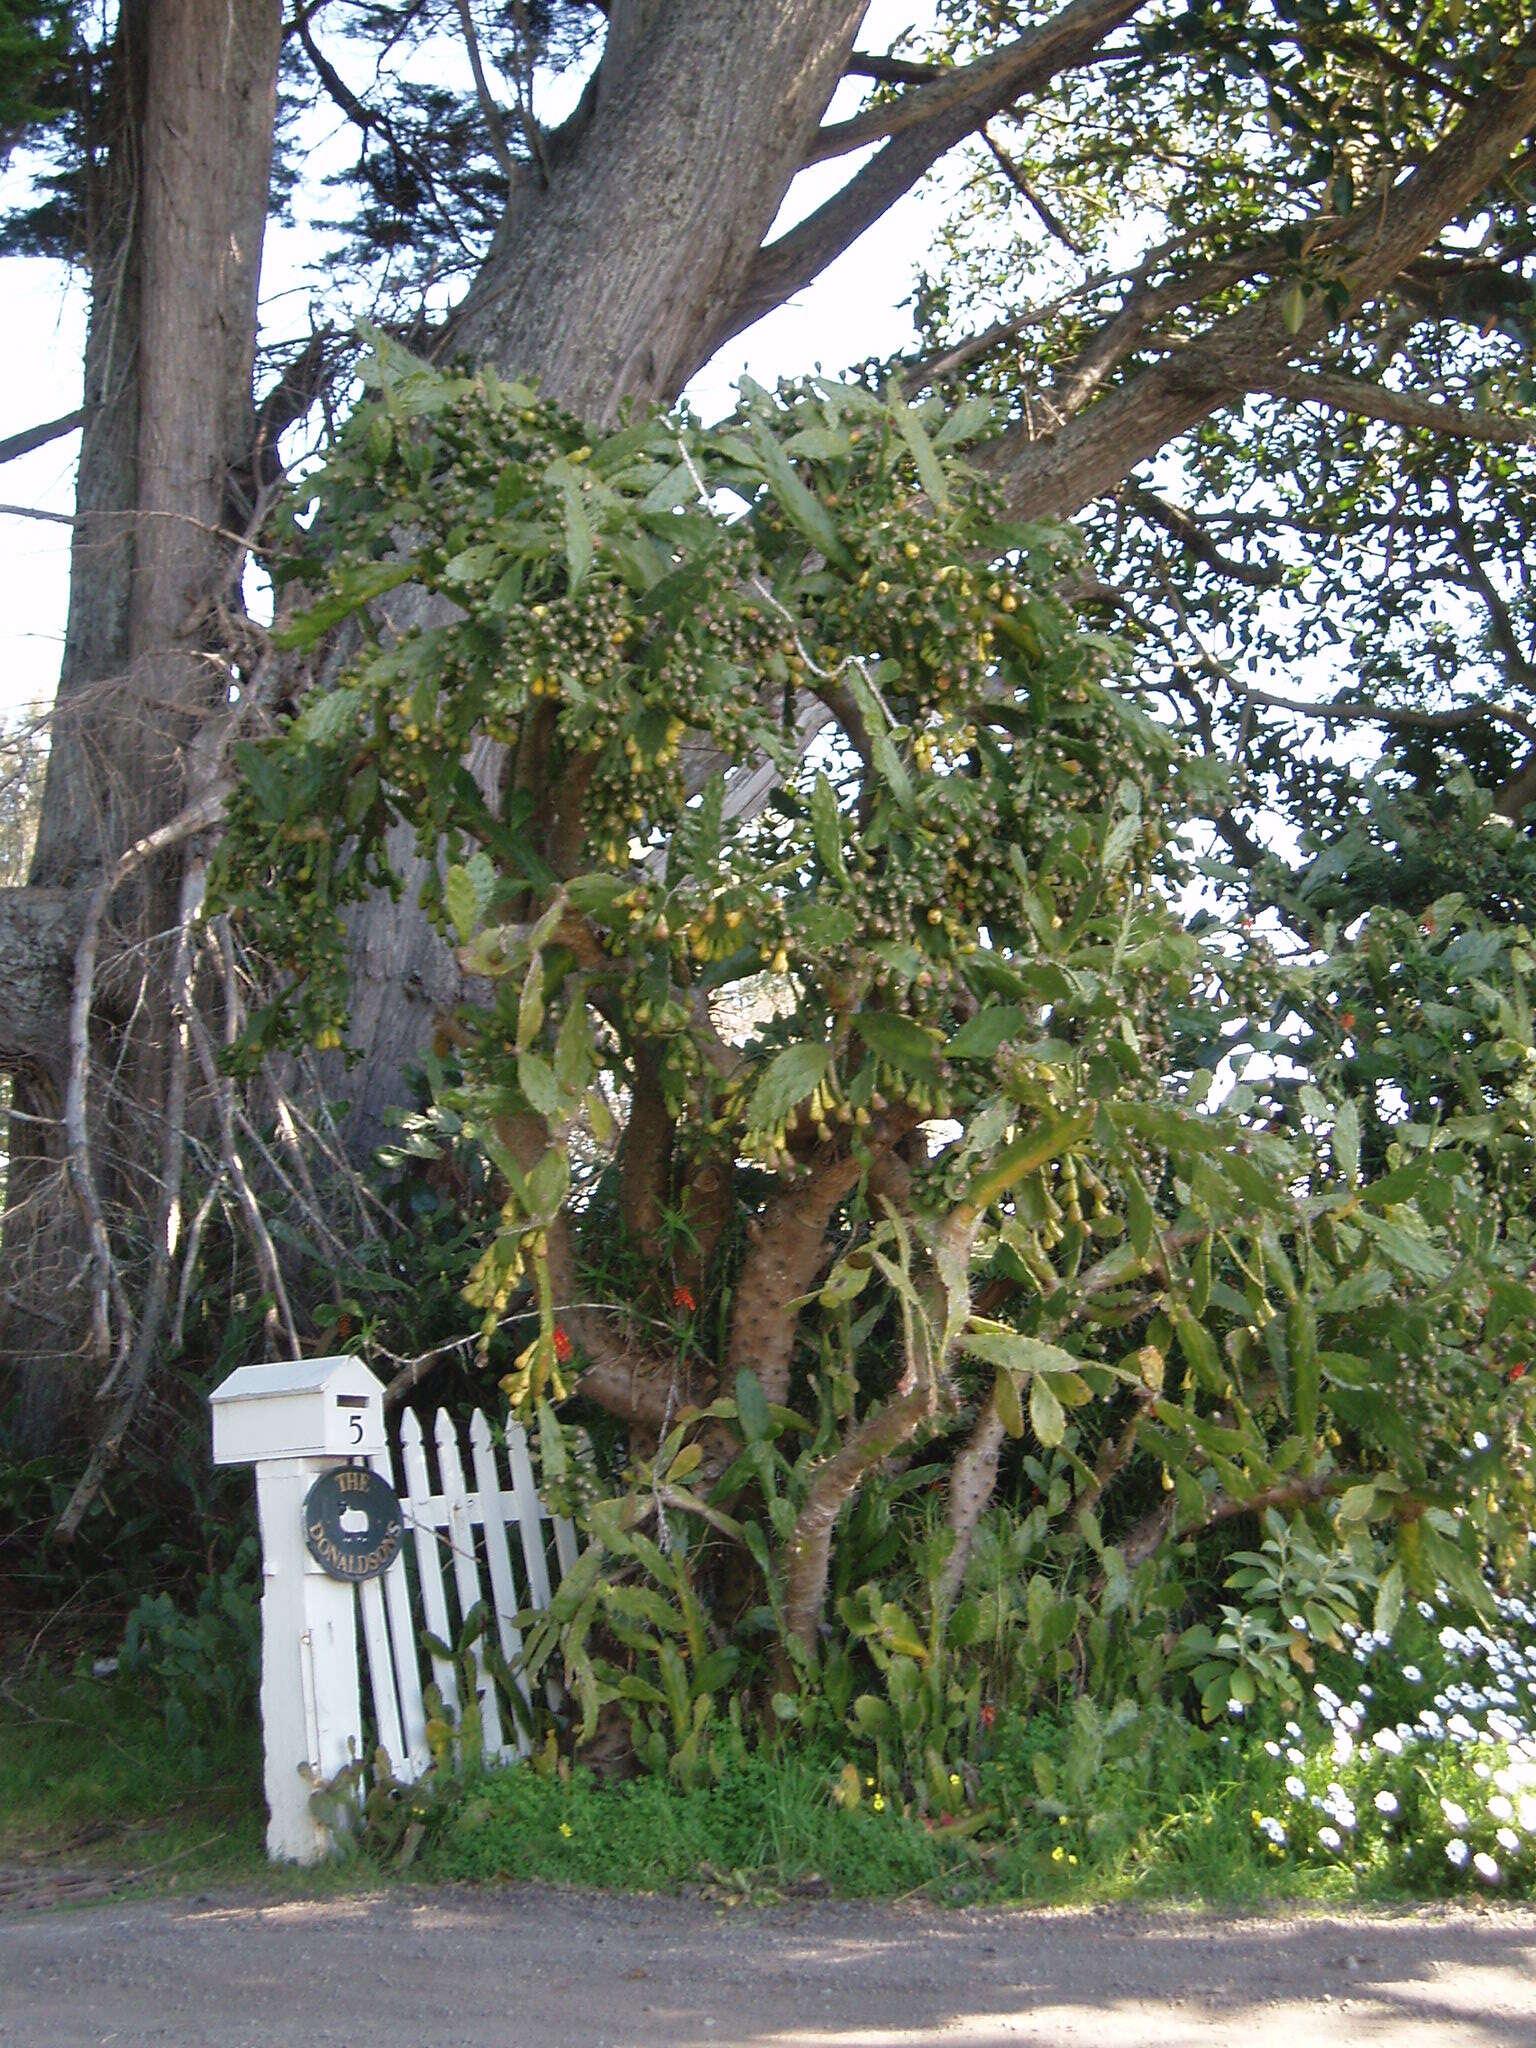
point(353, 1527)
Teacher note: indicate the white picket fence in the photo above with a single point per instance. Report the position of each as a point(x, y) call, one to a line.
point(460, 1553)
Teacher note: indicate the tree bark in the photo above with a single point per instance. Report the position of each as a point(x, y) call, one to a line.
point(177, 204)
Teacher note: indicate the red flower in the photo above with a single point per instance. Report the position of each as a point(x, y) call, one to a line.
point(682, 1297)
point(1518, 1372)
point(563, 1345)
point(988, 1715)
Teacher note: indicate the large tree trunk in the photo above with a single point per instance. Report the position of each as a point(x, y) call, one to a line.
point(177, 210)
point(606, 286)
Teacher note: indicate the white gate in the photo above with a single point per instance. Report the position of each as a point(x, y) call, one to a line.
point(460, 1555)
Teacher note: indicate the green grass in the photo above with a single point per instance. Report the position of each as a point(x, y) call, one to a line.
point(90, 1782)
point(771, 1824)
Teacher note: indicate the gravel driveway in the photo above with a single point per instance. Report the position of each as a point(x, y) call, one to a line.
point(525, 1967)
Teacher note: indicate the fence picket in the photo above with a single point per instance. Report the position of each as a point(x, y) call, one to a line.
point(498, 1557)
point(414, 1755)
point(530, 1515)
point(381, 1676)
point(429, 1568)
point(466, 1569)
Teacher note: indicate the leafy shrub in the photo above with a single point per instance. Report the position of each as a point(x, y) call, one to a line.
point(203, 1664)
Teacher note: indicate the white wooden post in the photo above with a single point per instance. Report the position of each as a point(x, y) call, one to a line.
point(293, 1421)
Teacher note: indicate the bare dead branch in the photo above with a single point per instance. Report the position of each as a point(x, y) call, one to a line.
point(1048, 218)
point(35, 512)
point(130, 1375)
point(1368, 711)
point(488, 107)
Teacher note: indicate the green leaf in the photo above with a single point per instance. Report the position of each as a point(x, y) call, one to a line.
point(1199, 1349)
point(1406, 1249)
point(1006, 1394)
point(1346, 1143)
point(968, 419)
point(1138, 1218)
point(802, 506)
point(1118, 841)
point(1027, 1153)
point(1015, 1352)
point(325, 718)
point(929, 468)
point(827, 828)
point(1355, 1290)
point(536, 1079)
point(1293, 306)
point(578, 532)
point(676, 488)
point(1389, 1601)
point(708, 828)
point(898, 1632)
point(351, 593)
point(785, 1083)
point(821, 444)
point(549, 1183)
point(573, 1047)
point(1357, 1504)
point(752, 1407)
point(1046, 1414)
point(986, 1031)
point(1306, 1368)
point(530, 1005)
point(462, 901)
point(898, 1039)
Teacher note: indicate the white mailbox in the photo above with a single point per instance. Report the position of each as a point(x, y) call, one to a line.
point(295, 1421)
point(299, 1408)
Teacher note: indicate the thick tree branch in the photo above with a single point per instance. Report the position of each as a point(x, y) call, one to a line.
point(336, 86)
point(786, 1254)
point(1518, 665)
point(925, 1392)
point(971, 93)
point(645, 1158)
point(972, 1479)
point(1367, 711)
point(958, 107)
point(39, 437)
point(1140, 1542)
point(879, 1436)
point(1399, 408)
point(1191, 535)
point(1056, 474)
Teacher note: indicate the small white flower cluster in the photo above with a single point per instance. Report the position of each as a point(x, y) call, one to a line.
point(1484, 1718)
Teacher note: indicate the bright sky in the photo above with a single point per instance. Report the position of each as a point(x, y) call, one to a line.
point(851, 312)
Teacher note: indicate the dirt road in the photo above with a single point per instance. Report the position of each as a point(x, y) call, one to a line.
point(529, 1968)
